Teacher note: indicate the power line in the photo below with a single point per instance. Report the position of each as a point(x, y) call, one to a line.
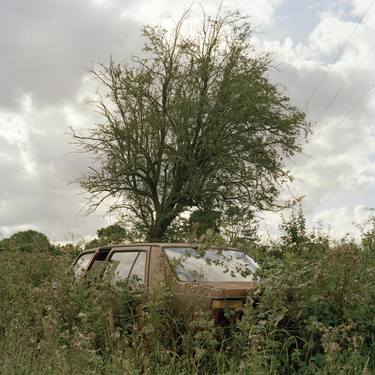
point(345, 83)
point(352, 108)
point(338, 55)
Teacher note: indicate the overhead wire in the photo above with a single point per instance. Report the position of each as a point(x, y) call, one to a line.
point(345, 83)
point(371, 87)
point(318, 85)
point(341, 50)
point(352, 108)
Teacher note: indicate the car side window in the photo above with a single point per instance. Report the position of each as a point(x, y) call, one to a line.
point(129, 266)
point(82, 263)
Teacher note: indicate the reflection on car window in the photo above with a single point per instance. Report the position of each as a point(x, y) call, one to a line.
point(82, 264)
point(211, 265)
point(131, 266)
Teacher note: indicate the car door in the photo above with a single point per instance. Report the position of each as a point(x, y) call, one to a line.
point(82, 262)
point(130, 265)
point(98, 263)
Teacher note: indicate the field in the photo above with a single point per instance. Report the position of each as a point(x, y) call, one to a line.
point(314, 313)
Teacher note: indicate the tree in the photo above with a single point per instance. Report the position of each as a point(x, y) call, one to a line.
point(27, 241)
point(113, 234)
point(195, 122)
point(293, 231)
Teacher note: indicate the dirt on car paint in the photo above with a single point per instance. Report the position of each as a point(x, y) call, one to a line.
point(150, 266)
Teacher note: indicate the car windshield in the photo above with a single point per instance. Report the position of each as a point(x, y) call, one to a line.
point(211, 264)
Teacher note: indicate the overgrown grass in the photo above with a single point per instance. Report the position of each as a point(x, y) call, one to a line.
point(314, 313)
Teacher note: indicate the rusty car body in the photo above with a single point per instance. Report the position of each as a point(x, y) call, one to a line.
point(215, 280)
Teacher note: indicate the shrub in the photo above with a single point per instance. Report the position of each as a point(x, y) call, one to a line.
point(315, 314)
point(312, 314)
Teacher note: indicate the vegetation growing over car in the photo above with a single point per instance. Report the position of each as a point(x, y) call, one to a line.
point(314, 315)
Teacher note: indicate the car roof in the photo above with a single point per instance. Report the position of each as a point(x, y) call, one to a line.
point(156, 244)
point(159, 244)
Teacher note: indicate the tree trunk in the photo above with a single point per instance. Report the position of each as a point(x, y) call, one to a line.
point(157, 231)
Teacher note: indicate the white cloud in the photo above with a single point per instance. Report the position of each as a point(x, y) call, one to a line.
point(166, 12)
point(337, 175)
point(35, 171)
point(47, 46)
point(344, 220)
point(360, 6)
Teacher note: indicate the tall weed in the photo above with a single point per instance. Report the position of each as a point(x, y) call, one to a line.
point(313, 313)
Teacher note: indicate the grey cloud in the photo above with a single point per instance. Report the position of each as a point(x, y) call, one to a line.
point(294, 19)
point(54, 155)
point(50, 212)
point(345, 94)
point(43, 200)
point(12, 174)
point(47, 45)
point(337, 175)
point(40, 197)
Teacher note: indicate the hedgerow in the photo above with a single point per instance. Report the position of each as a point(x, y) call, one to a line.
point(313, 313)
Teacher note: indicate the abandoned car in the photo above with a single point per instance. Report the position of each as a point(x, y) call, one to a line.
point(215, 279)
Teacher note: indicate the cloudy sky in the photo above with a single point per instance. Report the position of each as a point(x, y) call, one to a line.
point(323, 53)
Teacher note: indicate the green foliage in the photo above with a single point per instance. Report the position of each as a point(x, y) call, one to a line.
point(294, 231)
point(50, 324)
point(195, 120)
point(27, 241)
point(313, 313)
point(111, 235)
point(368, 238)
point(192, 228)
point(234, 224)
point(203, 220)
